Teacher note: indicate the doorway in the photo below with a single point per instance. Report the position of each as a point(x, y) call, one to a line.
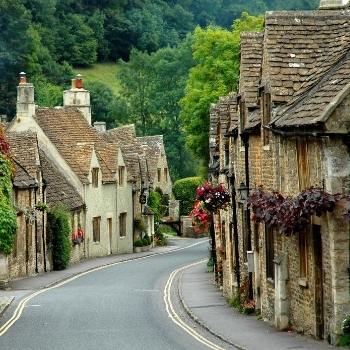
point(110, 231)
point(318, 266)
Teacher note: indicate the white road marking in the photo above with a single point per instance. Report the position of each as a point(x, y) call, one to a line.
point(19, 309)
point(176, 318)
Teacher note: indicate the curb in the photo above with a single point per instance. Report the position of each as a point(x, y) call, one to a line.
point(201, 322)
point(6, 306)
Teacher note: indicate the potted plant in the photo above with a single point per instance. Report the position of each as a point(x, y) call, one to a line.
point(146, 243)
point(138, 246)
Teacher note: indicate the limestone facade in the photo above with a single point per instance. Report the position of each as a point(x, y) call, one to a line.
point(287, 129)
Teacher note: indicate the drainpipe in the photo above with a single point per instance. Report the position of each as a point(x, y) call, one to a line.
point(213, 247)
point(36, 235)
point(245, 139)
point(235, 230)
point(43, 227)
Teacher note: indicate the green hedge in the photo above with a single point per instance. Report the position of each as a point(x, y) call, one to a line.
point(60, 234)
point(185, 191)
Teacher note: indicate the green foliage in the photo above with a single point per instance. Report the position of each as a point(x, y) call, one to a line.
point(152, 85)
point(216, 73)
point(160, 239)
point(59, 232)
point(154, 201)
point(185, 191)
point(146, 240)
point(138, 243)
point(8, 219)
point(46, 93)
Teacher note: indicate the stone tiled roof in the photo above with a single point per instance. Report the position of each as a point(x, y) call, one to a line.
point(254, 119)
point(75, 139)
point(24, 152)
point(233, 125)
point(308, 108)
point(72, 135)
point(152, 147)
point(301, 46)
point(58, 189)
point(224, 114)
point(125, 137)
point(250, 67)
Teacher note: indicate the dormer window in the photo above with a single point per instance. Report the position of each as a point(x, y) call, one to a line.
point(121, 175)
point(266, 101)
point(95, 177)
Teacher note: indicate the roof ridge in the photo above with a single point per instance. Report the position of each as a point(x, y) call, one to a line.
point(308, 92)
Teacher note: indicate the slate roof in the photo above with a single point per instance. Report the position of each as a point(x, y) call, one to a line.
point(250, 66)
point(58, 189)
point(301, 47)
point(24, 152)
point(309, 108)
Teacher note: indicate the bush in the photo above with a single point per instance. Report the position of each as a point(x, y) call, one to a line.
point(59, 232)
point(138, 243)
point(146, 240)
point(160, 239)
point(185, 191)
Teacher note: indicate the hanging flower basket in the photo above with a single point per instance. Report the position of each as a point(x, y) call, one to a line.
point(210, 199)
point(78, 236)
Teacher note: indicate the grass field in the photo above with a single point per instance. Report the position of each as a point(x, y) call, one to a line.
point(103, 72)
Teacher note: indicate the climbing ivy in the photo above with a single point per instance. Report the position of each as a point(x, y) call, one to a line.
point(8, 222)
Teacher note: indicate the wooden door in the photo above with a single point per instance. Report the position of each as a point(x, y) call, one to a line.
point(318, 265)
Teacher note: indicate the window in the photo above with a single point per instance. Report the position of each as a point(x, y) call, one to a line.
point(95, 177)
point(270, 252)
point(303, 164)
point(303, 254)
point(122, 225)
point(121, 175)
point(165, 174)
point(227, 153)
point(96, 228)
point(245, 233)
point(159, 175)
point(266, 117)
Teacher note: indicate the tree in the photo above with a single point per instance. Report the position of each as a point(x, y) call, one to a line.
point(15, 45)
point(152, 85)
point(215, 74)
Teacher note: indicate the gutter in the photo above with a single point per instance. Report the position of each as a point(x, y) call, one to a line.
point(305, 133)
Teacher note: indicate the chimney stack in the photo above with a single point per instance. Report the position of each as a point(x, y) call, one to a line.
point(100, 126)
point(333, 4)
point(78, 97)
point(25, 98)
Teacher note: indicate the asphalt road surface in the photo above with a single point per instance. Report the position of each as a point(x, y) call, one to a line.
point(118, 307)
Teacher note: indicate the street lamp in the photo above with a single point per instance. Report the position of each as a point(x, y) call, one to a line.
point(243, 191)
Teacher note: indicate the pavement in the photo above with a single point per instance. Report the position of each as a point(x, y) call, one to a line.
point(118, 307)
point(20, 287)
point(205, 304)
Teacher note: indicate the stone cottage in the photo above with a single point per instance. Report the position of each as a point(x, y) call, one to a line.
point(292, 133)
point(92, 165)
point(30, 253)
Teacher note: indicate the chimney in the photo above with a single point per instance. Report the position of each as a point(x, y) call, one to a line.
point(25, 98)
point(333, 4)
point(78, 97)
point(100, 126)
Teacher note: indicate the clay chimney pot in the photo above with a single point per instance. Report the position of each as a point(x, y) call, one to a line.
point(22, 78)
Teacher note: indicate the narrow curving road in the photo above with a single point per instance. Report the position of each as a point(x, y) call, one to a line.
point(118, 307)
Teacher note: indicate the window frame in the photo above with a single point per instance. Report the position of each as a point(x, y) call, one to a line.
point(95, 177)
point(96, 229)
point(270, 253)
point(121, 175)
point(159, 174)
point(122, 225)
